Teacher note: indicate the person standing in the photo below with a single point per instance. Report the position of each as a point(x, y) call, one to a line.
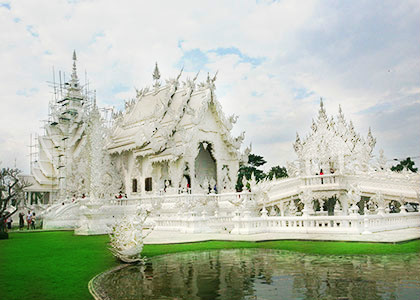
point(21, 220)
point(29, 219)
point(9, 223)
point(322, 179)
point(33, 221)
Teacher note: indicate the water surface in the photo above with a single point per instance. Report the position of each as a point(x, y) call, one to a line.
point(264, 274)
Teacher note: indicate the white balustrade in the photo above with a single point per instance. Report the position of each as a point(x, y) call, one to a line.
point(355, 224)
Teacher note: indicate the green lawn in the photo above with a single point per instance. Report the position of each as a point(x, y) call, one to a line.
point(59, 265)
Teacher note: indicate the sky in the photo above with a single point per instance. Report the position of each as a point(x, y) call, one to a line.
point(275, 60)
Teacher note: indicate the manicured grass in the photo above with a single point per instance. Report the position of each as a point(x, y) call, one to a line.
point(310, 247)
point(51, 265)
point(59, 265)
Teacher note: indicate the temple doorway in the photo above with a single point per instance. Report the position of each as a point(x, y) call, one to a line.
point(205, 167)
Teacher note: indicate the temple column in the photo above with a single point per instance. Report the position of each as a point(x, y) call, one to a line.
point(344, 203)
point(191, 163)
point(281, 208)
point(29, 198)
point(219, 176)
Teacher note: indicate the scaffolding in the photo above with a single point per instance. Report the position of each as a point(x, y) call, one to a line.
point(70, 104)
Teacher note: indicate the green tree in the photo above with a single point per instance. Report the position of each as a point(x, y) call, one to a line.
point(406, 164)
point(277, 172)
point(11, 193)
point(254, 161)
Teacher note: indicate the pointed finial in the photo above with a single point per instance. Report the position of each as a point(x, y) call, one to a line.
point(215, 76)
point(321, 103)
point(74, 62)
point(196, 75)
point(94, 98)
point(156, 73)
point(74, 80)
point(180, 73)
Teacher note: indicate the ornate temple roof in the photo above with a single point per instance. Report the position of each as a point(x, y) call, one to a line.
point(160, 121)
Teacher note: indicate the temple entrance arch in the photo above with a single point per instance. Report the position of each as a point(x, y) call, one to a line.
point(205, 167)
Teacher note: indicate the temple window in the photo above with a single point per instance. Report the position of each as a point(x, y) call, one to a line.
point(148, 184)
point(134, 188)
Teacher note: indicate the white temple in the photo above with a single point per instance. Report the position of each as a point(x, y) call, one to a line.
point(175, 137)
point(171, 152)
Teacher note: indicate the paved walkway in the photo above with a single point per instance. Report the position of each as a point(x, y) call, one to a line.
point(393, 236)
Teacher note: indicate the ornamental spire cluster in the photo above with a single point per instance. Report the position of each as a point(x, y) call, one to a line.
point(333, 144)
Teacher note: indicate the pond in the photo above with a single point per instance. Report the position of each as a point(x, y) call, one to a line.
point(263, 274)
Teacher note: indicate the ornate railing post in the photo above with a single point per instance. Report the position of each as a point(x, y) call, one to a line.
point(366, 225)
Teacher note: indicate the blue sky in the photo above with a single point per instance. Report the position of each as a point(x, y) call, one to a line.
point(275, 59)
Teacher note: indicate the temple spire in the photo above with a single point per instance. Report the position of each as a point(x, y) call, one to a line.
point(74, 79)
point(94, 99)
point(322, 116)
point(156, 76)
point(73, 87)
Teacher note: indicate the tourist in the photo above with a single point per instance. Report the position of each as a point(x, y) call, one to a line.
point(33, 221)
point(321, 173)
point(29, 219)
point(9, 223)
point(21, 220)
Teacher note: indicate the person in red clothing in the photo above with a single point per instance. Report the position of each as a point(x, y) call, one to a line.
point(322, 179)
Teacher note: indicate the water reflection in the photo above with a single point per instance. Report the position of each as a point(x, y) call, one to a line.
point(264, 274)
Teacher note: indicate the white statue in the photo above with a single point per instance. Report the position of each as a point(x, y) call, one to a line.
point(127, 237)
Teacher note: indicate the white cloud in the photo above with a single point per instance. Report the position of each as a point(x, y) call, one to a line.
point(362, 55)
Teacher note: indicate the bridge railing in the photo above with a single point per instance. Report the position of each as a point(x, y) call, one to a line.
point(321, 179)
point(176, 198)
point(353, 224)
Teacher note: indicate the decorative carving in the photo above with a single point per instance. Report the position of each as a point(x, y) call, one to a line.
point(353, 194)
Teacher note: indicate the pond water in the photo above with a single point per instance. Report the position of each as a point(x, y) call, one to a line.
point(264, 274)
